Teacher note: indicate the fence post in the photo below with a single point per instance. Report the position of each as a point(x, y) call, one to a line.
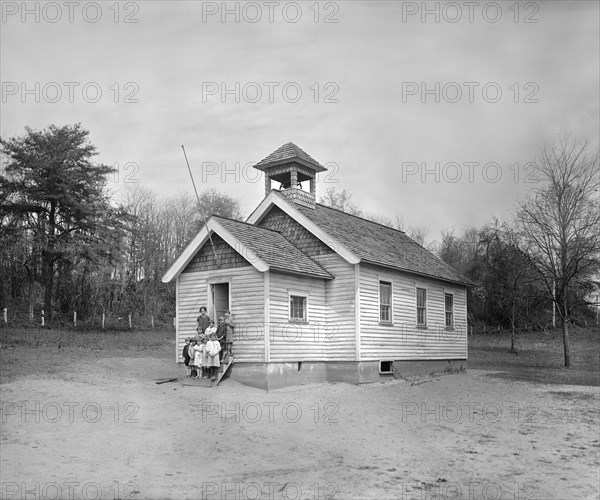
point(74, 319)
point(5, 315)
point(130, 321)
point(152, 321)
point(103, 321)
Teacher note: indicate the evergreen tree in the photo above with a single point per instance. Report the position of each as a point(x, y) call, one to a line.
point(53, 192)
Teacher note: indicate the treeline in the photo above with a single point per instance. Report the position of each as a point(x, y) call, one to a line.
point(510, 293)
point(120, 280)
point(68, 246)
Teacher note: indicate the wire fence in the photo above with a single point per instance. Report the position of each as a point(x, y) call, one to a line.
point(12, 317)
point(79, 322)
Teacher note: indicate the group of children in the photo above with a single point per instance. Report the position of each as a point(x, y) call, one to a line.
point(203, 354)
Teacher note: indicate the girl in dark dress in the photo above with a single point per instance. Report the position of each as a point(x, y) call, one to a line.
point(193, 371)
point(186, 356)
point(203, 321)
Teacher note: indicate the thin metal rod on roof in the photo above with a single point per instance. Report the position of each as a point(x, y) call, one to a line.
point(198, 198)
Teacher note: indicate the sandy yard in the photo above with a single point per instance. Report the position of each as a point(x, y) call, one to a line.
point(82, 423)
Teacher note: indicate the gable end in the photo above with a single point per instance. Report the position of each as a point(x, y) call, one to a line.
point(295, 233)
point(226, 258)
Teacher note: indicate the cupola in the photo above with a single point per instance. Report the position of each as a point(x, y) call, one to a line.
point(295, 171)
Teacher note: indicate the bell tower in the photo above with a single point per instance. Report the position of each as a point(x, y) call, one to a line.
point(295, 171)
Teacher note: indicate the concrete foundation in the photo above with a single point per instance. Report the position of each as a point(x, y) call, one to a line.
point(276, 375)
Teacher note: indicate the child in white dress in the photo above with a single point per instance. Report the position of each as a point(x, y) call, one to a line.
point(198, 351)
point(213, 348)
point(210, 329)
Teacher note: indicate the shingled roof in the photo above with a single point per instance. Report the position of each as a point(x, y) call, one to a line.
point(378, 244)
point(286, 153)
point(271, 247)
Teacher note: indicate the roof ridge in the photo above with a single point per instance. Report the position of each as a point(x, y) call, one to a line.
point(245, 223)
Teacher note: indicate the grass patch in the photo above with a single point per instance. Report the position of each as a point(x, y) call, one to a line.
point(109, 340)
point(540, 356)
point(65, 353)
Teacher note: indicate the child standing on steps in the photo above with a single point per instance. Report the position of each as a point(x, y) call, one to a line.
point(228, 322)
point(221, 333)
point(213, 348)
point(202, 320)
point(210, 329)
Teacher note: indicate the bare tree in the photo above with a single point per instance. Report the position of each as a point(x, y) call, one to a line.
point(212, 202)
point(560, 224)
point(378, 218)
point(178, 222)
point(340, 201)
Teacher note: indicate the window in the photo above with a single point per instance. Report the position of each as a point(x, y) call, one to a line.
point(297, 308)
point(385, 302)
point(421, 307)
point(449, 300)
point(386, 367)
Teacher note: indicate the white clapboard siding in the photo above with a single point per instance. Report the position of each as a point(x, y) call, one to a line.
point(402, 339)
point(247, 309)
point(340, 299)
point(291, 341)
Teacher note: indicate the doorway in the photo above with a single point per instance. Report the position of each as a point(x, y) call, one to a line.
point(220, 300)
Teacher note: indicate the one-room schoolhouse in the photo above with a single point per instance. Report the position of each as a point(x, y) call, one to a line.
point(318, 294)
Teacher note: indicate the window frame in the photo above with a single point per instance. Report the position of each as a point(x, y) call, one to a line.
point(424, 324)
point(451, 312)
point(389, 321)
point(302, 295)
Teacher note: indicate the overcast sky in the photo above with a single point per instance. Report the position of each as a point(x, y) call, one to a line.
point(378, 91)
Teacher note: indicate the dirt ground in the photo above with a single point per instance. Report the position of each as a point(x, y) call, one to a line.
point(88, 421)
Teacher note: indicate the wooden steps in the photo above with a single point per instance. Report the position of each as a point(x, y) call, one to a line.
point(225, 364)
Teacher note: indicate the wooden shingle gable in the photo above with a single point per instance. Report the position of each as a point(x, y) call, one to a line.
point(294, 232)
point(211, 227)
point(218, 255)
